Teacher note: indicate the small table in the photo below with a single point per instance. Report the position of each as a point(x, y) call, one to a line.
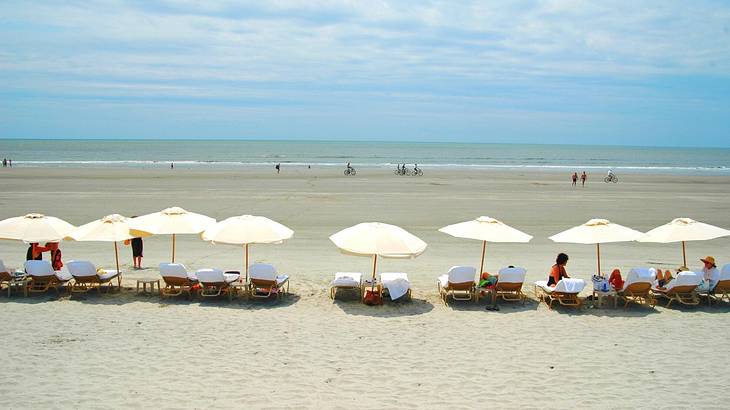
point(151, 282)
point(19, 282)
point(238, 288)
point(368, 284)
point(599, 296)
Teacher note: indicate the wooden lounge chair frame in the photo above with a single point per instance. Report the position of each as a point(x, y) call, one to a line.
point(175, 286)
point(685, 294)
point(215, 289)
point(358, 287)
point(464, 291)
point(41, 284)
point(564, 298)
point(264, 288)
point(639, 293)
point(722, 289)
point(510, 291)
point(83, 284)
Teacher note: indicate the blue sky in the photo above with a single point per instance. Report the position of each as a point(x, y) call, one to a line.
point(625, 72)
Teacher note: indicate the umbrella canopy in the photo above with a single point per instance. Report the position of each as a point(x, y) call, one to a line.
point(378, 239)
point(597, 231)
point(683, 230)
point(111, 228)
point(170, 221)
point(35, 228)
point(247, 229)
point(486, 229)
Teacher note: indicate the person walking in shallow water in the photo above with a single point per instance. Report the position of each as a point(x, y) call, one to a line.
point(574, 178)
point(278, 168)
point(583, 178)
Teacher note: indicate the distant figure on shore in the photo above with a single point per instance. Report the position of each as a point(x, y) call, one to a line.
point(172, 165)
point(574, 178)
point(583, 178)
point(5, 162)
point(278, 168)
point(558, 270)
point(10, 163)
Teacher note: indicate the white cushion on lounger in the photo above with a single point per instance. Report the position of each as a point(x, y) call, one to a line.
point(684, 279)
point(215, 276)
point(564, 286)
point(263, 271)
point(512, 275)
point(570, 285)
point(347, 279)
point(640, 275)
point(81, 268)
point(396, 282)
point(39, 268)
point(63, 275)
point(176, 270)
point(725, 272)
point(108, 274)
point(457, 274)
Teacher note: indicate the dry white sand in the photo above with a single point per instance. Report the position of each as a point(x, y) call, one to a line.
point(124, 350)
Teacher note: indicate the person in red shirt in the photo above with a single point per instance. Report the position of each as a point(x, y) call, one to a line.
point(558, 270)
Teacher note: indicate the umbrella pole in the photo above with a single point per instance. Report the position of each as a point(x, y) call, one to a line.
point(684, 254)
point(116, 257)
point(375, 263)
point(173, 248)
point(481, 265)
point(598, 255)
point(246, 262)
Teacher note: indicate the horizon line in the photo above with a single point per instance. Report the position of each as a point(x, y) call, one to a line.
point(355, 141)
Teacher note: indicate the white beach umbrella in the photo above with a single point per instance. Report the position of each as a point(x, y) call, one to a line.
point(486, 229)
point(683, 230)
point(247, 229)
point(171, 221)
point(35, 228)
point(597, 231)
point(378, 239)
point(111, 228)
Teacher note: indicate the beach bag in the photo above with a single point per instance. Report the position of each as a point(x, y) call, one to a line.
point(372, 298)
point(600, 283)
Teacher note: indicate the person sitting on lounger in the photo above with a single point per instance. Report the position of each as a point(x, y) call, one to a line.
point(615, 280)
point(35, 252)
point(662, 278)
point(558, 270)
point(710, 274)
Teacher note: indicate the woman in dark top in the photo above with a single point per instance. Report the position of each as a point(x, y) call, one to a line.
point(35, 252)
point(558, 270)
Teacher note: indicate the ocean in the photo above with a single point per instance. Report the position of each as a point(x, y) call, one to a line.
point(237, 153)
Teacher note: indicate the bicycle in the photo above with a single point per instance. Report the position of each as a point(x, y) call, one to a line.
point(610, 178)
point(350, 171)
point(416, 172)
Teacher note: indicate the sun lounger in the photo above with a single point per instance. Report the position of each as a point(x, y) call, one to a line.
point(6, 277)
point(509, 284)
point(637, 287)
point(457, 283)
point(395, 284)
point(721, 291)
point(87, 277)
point(43, 277)
point(265, 281)
point(346, 280)
point(177, 279)
point(565, 292)
point(682, 289)
point(214, 282)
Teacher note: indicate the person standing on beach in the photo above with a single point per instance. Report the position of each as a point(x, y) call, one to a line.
point(278, 167)
point(574, 177)
point(583, 178)
point(5, 162)
point(56, 261)
point(172, 165)
point(137, 247)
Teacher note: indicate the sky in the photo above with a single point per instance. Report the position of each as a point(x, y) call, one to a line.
point(604, 72)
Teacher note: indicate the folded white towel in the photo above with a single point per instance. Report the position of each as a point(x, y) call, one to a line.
point(396, 282)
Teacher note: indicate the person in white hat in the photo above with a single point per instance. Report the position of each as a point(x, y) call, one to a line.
point(710, 273)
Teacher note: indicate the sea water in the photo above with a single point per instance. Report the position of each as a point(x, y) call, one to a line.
point(238, 153)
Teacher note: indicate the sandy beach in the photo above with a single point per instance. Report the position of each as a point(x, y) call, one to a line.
point(306, 351)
